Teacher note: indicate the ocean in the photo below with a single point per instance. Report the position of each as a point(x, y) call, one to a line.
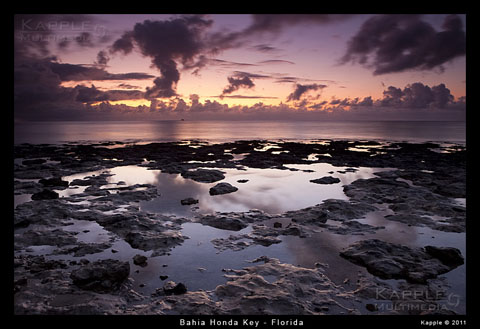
point(222, 131)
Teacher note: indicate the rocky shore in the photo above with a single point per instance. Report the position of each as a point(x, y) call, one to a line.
point(81, 245)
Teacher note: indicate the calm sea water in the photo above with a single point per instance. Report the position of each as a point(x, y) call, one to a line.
point(220, 131)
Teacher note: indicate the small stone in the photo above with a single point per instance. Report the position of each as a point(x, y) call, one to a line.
point(222, 188)
point(326, 180)
point(140, 260)
point(188, 201)
point(170, 288)
point(163, 277)
point(277, 225)
point(242, 180)
point(371, 307)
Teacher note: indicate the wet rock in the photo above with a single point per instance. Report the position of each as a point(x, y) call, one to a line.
point(371, 307)
point(39, 237)
point(326, 180)
point(188, 201)
point(53, 182)
point(82, 249)
point(242, 180)
point(159, 242)
point(33, 162)
point(27, 187)
point(172, 288)
point(448, 256)
point(222, 188)
point(394, 261)
point(412, 205)
point(140, 260)
point(223, 222)
point(103, 275)
point(163, 277)
point(204, 175)
point(45, 195)
point(296, 290)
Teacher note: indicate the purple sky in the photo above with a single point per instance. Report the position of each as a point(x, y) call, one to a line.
point(307, 67)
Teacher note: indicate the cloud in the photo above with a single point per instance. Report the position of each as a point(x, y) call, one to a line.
point(166, 43)
point(91, 94)
point(102, 58)
point(245, 97)
point(264, 48)
point(268, 24)
point(75, 72)
point(236, 83)
point(397, 43)
point(302, 89)
point(276, 61)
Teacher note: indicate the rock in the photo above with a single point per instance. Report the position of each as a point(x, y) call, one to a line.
point(277, 225)
point(45, 195)
point(33, 162)
point(371, 307)
point(204, 175)
point(242, 180)
point(394, 261)
point(170, 288)
point(326, 180)
point(223, 222)
point(163, 277)
point(53, 182)
point(188, 201)
point(448, 256)
point(102, 276)
point(222, 188)
point(140, 260)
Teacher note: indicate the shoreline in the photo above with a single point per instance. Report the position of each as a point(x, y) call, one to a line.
point(415, 193)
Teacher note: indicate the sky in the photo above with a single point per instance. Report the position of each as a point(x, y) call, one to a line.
point(240, 67)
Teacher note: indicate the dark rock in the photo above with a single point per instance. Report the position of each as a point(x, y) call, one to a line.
point(163, 277)
point(326, 180)
point(242, 180)
point(188, 201)
point(393, 261)
point(371, 307)
point(102, 276)
point(140, 260)
point(222, 188)
point(277, 225)
point(448, 256)
point(204, 175)
point(170, 288)
point(45, 195)
point(223, 222)
point(53, 182)
point(33, 161)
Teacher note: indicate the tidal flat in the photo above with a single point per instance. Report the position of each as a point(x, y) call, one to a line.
point(244, 227)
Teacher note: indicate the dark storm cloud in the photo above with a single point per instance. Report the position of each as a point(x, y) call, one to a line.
point(235, 83)
point(102, 58)
point(91, 94)
point(73, 72)
point(302, 89)
point(396, 43)
point(166, 43)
